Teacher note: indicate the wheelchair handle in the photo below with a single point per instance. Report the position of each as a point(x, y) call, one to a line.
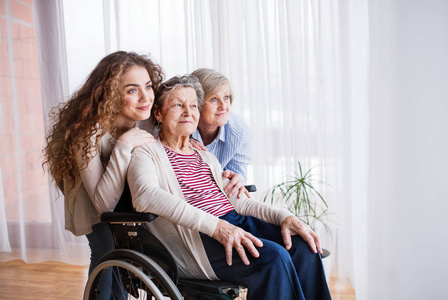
point(127, 217)
point(251, 188)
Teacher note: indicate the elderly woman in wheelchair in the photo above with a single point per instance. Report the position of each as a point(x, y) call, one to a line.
point(210, 235)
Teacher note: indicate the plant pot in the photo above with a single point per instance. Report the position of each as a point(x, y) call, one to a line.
point(326, 261)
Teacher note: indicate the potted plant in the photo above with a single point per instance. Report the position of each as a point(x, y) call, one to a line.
point(300, 195)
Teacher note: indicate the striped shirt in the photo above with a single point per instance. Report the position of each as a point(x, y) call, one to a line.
point(197, 184)
point(231, 146)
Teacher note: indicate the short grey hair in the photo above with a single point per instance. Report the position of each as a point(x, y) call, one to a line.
point(171, 84)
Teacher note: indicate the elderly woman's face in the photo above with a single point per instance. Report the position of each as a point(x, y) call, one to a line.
point(180, 113)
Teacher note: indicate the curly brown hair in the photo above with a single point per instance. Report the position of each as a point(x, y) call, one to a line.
point(90, 112)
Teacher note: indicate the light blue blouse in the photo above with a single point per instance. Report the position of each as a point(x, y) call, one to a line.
point(232, 145)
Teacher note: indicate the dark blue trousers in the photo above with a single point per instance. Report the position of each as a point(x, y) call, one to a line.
point(277, 273)
point(101, 242)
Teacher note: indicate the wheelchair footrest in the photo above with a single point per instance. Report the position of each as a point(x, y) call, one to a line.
point(224, 288)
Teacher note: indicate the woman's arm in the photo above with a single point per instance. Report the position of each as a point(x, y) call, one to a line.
point(260, 210)
point(148, 195)
point(250, 207)
point(105, 185)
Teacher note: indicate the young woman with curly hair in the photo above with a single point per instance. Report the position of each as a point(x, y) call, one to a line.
point(89, 146)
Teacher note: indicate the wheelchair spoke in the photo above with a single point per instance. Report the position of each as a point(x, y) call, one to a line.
point(134, 276)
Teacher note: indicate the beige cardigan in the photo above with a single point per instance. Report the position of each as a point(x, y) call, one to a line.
point(98, 187)
point(155, 189)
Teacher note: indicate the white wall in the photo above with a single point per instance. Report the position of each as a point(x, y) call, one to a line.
point(408, 197)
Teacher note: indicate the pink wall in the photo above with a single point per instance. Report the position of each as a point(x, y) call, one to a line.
point(21, 129)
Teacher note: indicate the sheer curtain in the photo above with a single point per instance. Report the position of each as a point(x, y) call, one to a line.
point(355, 89)
point(32, 81)
point(298, 70)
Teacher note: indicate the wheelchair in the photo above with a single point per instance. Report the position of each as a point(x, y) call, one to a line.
point(144, 268)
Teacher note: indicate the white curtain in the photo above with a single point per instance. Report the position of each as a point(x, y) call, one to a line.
point(5, 246)
point(298, 70)
point(356, 89)
point(31, 216)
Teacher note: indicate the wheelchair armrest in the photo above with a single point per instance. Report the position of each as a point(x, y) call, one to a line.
point(251, 188)
point(123, 217)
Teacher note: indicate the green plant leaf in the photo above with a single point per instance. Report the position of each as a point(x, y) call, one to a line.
point(301, 196)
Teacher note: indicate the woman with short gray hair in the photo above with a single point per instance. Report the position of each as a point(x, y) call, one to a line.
point(180, 81)
point(277, 255)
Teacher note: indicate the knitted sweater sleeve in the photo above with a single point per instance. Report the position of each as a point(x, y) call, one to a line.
point(154, 190)
point(105, 185)
point(265, 212)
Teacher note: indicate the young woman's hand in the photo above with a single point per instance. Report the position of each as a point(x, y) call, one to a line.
point(291, 226)
point(197, 144)
point(234, 237)
point(136, 137)
point(236, 184)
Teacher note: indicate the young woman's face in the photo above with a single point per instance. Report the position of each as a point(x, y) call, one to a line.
point(179, 114)
point(215, 110)
point(138, 95)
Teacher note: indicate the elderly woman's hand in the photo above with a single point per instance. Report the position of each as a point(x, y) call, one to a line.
point(291, 226)
point(234, 237)
point(136, 137)
point(236, 184)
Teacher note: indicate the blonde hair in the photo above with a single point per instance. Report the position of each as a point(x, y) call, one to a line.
point(80, 122)
point(212, 81)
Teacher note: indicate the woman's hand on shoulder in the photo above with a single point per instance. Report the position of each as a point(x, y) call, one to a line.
point(197, 144)
point(236, 184)
point(234, 237)
point(291, 226)
point(136, 137)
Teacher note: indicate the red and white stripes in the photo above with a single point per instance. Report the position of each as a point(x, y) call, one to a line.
point(197, 183)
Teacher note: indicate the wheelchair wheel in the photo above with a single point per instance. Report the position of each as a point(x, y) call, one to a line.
point(150, 268)
point(135, 283)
